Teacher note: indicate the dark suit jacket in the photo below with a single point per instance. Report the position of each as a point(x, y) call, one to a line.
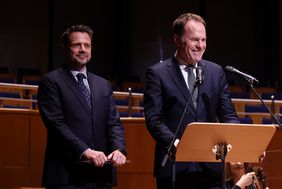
point(72, 127)
point(166, 95)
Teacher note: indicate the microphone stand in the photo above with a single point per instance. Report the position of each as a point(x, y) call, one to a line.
point(172, 149)
point(250, 81)
point(261, 173)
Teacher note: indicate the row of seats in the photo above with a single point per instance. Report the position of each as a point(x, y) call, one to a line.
point(18, 96)
point(129, 104)
point(265, 120)
point(263, 95)
point(264, 92)
point(21, 75)
point(33, 79)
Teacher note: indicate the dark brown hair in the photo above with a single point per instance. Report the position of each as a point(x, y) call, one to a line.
point(179, 23)
point(75, 28)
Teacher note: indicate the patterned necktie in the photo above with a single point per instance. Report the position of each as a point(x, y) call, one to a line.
point(85, 91)
point(191, 82)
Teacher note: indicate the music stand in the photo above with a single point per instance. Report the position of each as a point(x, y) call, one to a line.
point(228, 142)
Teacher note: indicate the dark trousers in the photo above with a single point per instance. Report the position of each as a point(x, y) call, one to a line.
point(190, 181)
point(86, 186)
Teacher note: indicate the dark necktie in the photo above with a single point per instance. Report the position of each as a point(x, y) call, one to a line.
point(85, 91)
point(191, 82)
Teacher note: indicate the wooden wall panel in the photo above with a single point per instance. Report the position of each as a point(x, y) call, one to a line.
point(14, 140)
point(137, 174)
point(23, 139)
point(135, 180)
point(272, 163)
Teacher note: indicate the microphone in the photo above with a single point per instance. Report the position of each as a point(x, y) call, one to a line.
point(199, 75)
point(248, 77)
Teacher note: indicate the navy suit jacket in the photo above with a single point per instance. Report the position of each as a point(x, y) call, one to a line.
point(166, 95)
point(72, 127)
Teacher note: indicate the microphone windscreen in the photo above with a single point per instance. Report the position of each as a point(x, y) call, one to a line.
point(229, 68)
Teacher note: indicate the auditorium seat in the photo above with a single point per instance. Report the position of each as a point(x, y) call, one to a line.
point(266, 120)
point(121, 102)
point(136, 87)
point(31, 75)
point(246, 120)
point(18, 103)
point(240, 95)
point(4, 69)
point(8, 91)
point(15, 106)
point(261, 90)
point(10, 95)
point(133, 114)
point(7, 78)
point(114, 85)
point(255, 108)
point(235, 89)
point(141, 103)
point(267, 96)
point(31, 79)
point(127, 108)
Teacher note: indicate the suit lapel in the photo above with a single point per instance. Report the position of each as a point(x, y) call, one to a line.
point(176, 75)
point(73, 85)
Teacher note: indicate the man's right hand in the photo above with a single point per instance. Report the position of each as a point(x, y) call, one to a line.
point(96, 157)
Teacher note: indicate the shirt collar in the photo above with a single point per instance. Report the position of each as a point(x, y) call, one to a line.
point(84, 72)
point(182, 63)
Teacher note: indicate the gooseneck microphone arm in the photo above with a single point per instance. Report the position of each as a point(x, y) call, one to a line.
point(172, 149)
point(250, 80)
point(248, 77)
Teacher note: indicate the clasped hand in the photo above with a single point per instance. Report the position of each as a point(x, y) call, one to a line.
point(99, 158)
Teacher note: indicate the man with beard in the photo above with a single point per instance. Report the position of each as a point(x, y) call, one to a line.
point(85, 139)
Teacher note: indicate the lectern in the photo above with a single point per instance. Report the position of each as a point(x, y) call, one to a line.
point(223, 142)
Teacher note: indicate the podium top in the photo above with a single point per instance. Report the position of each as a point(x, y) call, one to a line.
point(248, 141)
